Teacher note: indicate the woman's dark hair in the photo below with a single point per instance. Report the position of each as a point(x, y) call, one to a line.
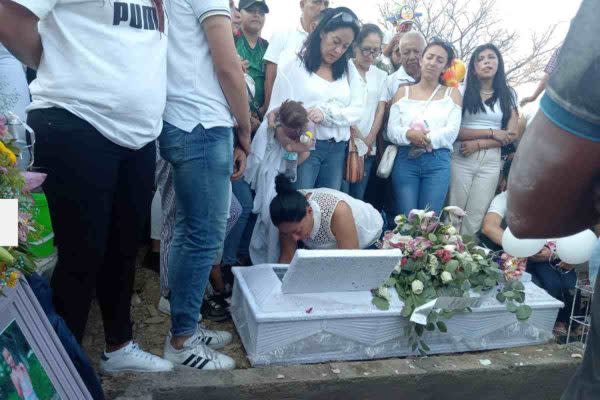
point(502, 92)
point(365, 31)
point(506, 168)
point(333, 19)
point(447, 46)
point(289, 205)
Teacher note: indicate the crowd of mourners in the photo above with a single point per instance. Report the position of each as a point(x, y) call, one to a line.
point(251, 142)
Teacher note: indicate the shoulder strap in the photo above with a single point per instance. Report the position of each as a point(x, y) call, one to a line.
point(406, 91)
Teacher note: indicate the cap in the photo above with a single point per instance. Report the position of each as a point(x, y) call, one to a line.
point(244, 4)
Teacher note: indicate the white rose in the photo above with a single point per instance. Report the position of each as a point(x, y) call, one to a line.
point(433, 261)
point(398, 219)
point(450, 247)
point(429, 214)
point(398, 266)
point(433, 270)
point(418, 213)
point(446, 276)
point(385, 293)
point(451, 231)
point(417, 286)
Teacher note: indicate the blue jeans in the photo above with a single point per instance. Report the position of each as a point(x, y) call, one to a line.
point(420, 183)
point(358, 189)
point(241, 190)
point(558, 284)
point(202, 162)
point(324, 167)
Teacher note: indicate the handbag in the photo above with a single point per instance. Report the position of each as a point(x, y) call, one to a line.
point(355, 164)
point(387, 160)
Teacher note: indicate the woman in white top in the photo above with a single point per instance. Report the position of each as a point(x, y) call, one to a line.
point(424, 123)
point(366, 50)
point(489, 122)
point(320, 79)
point(321, 219)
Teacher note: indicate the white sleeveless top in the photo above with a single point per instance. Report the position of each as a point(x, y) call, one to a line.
point(443, 116)
point(323, 201)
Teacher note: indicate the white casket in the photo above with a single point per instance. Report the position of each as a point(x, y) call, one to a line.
point(321, 311)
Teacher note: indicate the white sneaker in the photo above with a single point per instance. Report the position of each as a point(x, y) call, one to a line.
point(132, 359)
point(195, 354)
point(164, 306)
point(214, 339)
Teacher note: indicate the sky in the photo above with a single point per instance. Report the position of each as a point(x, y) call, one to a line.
point(526, 16)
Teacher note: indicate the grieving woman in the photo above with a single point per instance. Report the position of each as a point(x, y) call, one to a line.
point(321, 219)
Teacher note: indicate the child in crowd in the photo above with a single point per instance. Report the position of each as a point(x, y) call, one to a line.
point(289, 125)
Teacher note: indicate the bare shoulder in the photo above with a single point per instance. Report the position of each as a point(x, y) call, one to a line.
point(456, 96)
point(401, 92)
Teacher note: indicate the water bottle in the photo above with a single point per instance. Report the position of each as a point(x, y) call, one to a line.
point(291, 165)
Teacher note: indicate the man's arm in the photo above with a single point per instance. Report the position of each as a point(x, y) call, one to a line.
point(491, 227)
point(270, 75)
point(19, 33)
point(541, 86)
point(229, 73)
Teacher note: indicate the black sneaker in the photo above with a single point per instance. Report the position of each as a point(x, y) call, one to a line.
point(214, 308)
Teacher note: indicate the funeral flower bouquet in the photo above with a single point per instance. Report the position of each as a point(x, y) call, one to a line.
point(16, 184)
point(438, 264)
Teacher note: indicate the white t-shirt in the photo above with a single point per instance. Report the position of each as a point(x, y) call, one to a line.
point(105, 62)
point(284, 46)
point(375, 82)
point(341, 101)
point(498, 205)
point(393, 82)
point(194, 94)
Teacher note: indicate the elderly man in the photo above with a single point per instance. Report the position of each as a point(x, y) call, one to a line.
point(561, 149)
point(286, 45)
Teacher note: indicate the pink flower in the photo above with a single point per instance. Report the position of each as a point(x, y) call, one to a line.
point(444, 255)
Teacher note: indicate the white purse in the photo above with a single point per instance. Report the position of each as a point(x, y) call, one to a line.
point(387, 161)
point(389, 155)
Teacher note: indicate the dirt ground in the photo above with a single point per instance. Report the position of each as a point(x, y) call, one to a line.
point(150, 329)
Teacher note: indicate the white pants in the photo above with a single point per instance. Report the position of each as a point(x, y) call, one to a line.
point(473, 184)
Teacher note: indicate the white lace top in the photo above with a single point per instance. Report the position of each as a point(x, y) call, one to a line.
point(369, 223)
point(443, 117)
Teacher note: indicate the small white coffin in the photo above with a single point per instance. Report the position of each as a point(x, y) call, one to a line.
point(319, 309)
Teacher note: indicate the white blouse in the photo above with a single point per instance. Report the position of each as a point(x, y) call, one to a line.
point(375, 82)
point(340, 101)
point(443, 116)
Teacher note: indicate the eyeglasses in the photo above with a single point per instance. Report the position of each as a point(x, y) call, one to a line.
point(370, 52)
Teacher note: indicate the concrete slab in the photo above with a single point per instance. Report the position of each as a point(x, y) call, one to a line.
point(532, 373)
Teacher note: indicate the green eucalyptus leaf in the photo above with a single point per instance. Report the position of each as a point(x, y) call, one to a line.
point(430, 327)
point(381, 303)
point(424, 346)
point(432, 237)
point(442, 326)
point(523, 312)
point(500, 297)
point(419, 329)
point(414, 346)
point(511, 307)
point(518, 285)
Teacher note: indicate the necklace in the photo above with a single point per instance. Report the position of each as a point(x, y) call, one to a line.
point(487, 92)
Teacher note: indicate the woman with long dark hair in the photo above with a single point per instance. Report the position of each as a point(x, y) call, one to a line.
point(424, 122)
point(489, 122)
point(333, 95)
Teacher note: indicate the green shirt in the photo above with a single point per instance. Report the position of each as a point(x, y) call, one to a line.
point(256, 69)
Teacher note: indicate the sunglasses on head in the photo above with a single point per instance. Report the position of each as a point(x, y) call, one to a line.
point(346, 17)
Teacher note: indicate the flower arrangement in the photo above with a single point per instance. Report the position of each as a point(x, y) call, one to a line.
point(16, 184)
point(438, 263)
